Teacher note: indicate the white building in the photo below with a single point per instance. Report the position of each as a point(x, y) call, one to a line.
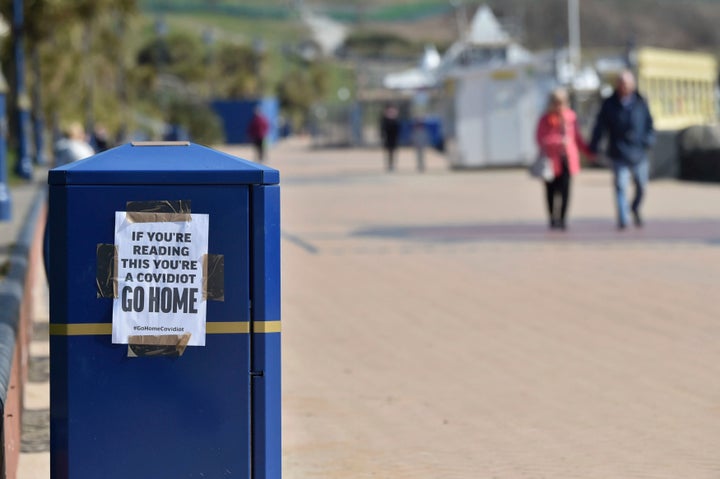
point(495, 91)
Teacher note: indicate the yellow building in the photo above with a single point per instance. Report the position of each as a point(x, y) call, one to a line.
point(680, 87)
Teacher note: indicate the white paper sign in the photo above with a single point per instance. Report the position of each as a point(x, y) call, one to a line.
point(160, 278)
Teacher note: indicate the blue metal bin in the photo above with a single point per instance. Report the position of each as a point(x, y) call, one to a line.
point(209, 411)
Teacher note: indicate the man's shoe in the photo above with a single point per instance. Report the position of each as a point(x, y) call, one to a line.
point(621, 226)
point(637, 219)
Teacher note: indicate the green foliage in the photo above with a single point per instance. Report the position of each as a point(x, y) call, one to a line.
point(202, 124)
point(78, 46)
point(239, 71)
point(100, 60)
point(275, 10)
point(12, 177)
point(302, 88)
point(180, 54)
point(369, 44)
point(348, 11)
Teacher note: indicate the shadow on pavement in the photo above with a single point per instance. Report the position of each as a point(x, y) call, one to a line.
point(581, 230)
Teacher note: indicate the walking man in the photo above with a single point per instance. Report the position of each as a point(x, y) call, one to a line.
point(390, 133)
point(625, 118)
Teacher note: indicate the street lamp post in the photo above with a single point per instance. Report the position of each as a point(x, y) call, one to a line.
point(574, 34)
point(38, 118)
point(460, 18)
point(161, 31)
point(23, 166)
point(209, 40)
point(122, 82)
point(5, 200)
point(258, 48)
point(88, 79)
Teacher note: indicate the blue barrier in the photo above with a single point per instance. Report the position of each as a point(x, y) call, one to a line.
point(236, 115)
point(12, 293)
point(433, 127)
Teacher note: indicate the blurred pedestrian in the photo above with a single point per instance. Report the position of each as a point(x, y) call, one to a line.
point(257, 132)
point(420, 139)
point(73, 146)
point(390, 133)
point(100, 140)
point(175, 132)
point(626, 119)
point(559, 139)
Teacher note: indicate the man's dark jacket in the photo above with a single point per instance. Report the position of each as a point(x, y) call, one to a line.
point(629, 127)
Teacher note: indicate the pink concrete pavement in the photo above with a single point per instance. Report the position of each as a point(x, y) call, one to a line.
point(433, 327)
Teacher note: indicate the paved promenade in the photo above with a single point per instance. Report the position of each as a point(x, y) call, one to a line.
point(434, 328)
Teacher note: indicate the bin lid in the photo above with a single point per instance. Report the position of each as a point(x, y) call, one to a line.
point(177, 162)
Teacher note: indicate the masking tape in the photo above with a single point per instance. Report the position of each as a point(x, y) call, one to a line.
point(214, 277)
point(106, 280)
point(163, 345)
point(158, 211)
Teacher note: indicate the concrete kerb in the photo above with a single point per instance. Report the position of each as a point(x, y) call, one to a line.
point(12, 296)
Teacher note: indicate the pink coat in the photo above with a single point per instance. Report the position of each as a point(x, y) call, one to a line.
point(550, 138)
point(258, 127)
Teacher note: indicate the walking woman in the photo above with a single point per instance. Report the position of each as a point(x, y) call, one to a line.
point(560, 140)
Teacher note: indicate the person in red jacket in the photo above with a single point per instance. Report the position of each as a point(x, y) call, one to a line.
point(257, 131)
point(560, 140)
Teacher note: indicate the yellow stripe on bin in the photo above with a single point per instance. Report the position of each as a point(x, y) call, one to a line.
point(80, 329)
point(231, 327)
point(267, 326)
point(99, 329)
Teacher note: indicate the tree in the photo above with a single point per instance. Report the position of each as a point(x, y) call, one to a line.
point(239, 71)
point(371, 44)
point(300, 90)
point(80, 42)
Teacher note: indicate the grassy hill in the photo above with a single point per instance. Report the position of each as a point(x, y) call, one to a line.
point(686, 24)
